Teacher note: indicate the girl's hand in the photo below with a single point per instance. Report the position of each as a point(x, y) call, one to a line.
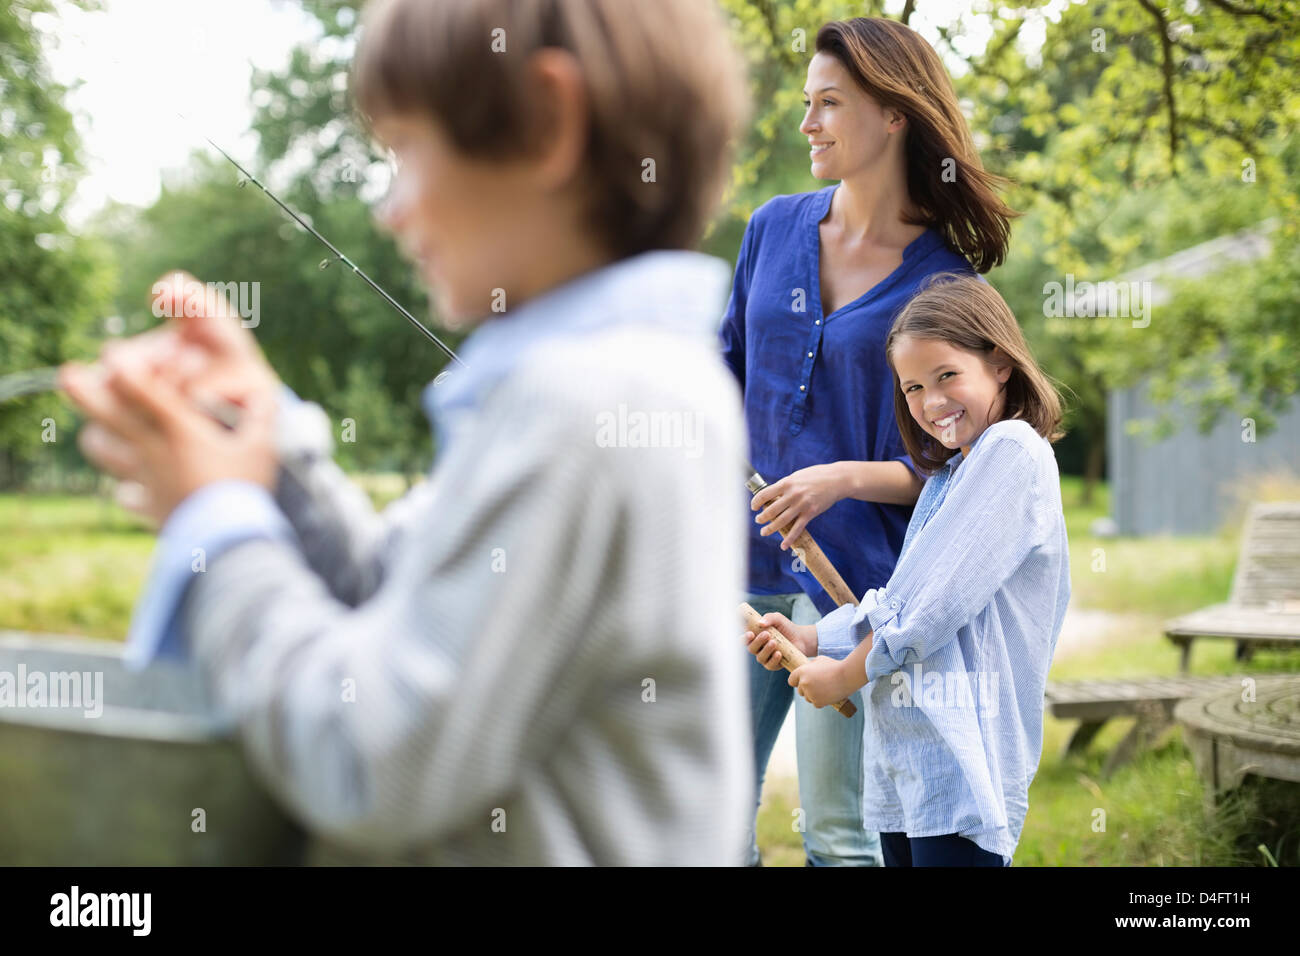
point(798, 498)
point(822, 681)
point(802, 636)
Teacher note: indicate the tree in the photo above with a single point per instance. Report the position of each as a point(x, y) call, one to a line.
point(326, 333)
point(1131, 131)
point(54, 285)
point(1140, 129)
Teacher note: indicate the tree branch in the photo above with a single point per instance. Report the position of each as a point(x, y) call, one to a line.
point(1243, 11)
point(1167, 68)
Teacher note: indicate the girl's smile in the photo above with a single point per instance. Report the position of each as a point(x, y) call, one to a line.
point(953, 393)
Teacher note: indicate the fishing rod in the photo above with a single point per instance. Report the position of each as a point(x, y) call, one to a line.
point(250, 178)
point(33, 381)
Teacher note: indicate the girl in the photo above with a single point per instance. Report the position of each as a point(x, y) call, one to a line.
point(819, 279)
point(954, 649)
point(481, 674)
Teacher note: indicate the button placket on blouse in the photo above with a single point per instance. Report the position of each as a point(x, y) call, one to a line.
point(799, 408)
point(810, 354)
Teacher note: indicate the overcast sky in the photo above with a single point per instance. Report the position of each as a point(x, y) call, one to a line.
point(140, 62)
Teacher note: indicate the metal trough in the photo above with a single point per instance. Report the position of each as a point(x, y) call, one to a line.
point(122, 788)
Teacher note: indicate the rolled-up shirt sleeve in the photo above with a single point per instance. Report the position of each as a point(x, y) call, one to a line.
point(982, 532)
point(839, 632)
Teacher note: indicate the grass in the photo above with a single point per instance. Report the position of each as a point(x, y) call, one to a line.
point(70, 565)
point(74, 565)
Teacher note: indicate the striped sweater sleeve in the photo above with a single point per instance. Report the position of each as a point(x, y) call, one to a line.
point(344, 539)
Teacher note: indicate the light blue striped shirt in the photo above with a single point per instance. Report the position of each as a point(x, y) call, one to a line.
point(964, 633)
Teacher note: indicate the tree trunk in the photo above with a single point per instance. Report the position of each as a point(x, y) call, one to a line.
point(1093, 465)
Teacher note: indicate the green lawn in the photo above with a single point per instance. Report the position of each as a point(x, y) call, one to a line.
point(70, 565)
point(74, 565)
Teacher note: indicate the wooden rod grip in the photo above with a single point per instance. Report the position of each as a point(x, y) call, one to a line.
point(811, 554)
point(791, 656)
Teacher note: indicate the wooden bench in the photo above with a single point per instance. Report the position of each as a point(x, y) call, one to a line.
point(1264, 607)
point(1230, 736)
point(1150, 699)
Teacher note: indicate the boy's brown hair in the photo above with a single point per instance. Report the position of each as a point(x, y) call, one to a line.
point(952, 191)
point(662, 81)
point(969, 314)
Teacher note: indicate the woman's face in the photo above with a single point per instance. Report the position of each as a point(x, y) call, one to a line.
point(952, 393)
point(848, 131)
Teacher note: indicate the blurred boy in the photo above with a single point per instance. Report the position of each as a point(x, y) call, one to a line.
point(481, 673)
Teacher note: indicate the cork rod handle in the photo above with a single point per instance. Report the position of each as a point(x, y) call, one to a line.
point(791, 656)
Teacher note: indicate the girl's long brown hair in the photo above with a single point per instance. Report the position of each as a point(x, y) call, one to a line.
point(968, 313)
point(952, 191)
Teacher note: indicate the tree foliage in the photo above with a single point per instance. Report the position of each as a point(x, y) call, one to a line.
point(1131, 129)
point(53, 284)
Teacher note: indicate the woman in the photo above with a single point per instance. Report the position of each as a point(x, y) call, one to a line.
point(819, 280)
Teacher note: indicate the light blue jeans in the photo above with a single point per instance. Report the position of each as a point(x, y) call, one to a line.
point(829, 751)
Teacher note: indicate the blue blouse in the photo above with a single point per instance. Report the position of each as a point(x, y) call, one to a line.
point(817, 388)
point(963, 634)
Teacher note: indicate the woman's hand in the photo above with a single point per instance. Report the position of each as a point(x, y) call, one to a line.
point(798, 498)
point(763, 647)
point(822, 681)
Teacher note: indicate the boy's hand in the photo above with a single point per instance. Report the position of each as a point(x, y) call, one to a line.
point(202, 348)
point(144, 431)
point(802, 636)
point(822, 681)
point(213, 354)
point(145, 427)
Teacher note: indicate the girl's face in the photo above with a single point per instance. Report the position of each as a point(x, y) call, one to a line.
point(953, 393)
point(848, 131)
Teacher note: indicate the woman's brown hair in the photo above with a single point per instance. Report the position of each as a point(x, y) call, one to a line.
point(946, 182)
point(968, 313)
point(662, 82)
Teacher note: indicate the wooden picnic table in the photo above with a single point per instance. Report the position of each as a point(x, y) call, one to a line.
point(1150, 699)
point(1263, 609)
point(1231, 737)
